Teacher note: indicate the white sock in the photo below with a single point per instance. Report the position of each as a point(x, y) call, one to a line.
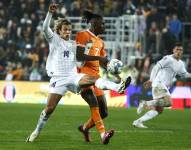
point(102, 135)
point(151, 102)
point(106, 85)
point(42, 121)
point(148, 115)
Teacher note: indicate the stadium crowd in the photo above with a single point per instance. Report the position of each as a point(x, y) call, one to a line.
point(23, 49)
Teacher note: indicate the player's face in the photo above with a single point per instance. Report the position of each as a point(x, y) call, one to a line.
point(178, 51)
point(99, 27)
point(65, 32)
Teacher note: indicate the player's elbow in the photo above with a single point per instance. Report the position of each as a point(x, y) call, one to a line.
point(44, 28)
point(80, 57)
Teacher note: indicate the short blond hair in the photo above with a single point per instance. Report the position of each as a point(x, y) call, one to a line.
point(58, 24)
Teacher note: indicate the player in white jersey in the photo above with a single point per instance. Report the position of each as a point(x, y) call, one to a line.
point(61, 67)
point(161, 79)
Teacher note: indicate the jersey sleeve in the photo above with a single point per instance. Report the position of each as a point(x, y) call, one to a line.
point(164, 62)
point(103, 52)
point(81, 39)
point(48, 33)
point(182, 72)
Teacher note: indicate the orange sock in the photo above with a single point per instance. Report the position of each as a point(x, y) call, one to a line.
point(97, 119)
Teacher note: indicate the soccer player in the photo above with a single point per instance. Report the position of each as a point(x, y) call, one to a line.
point(90, 44)
point(61, 67)
point(161, 78)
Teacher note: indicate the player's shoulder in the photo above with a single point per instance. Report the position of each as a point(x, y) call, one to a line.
point(168, 57)
point(83, 33)
point(182, 62)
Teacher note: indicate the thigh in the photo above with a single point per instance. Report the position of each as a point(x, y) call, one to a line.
point(160, 91)
point(53, 100)
point(89, 96)
point(102, 102)
point(86, 81)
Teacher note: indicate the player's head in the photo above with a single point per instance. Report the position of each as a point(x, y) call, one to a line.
point(178, 50)
point(95, 21)
point(63, 28)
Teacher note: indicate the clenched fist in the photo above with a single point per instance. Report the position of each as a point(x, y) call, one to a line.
point(52, 8)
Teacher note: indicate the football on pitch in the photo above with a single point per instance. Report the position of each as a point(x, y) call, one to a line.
point(115, 66)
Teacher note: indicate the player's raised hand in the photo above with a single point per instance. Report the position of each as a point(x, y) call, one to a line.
point(147, 84)
point(52, 7)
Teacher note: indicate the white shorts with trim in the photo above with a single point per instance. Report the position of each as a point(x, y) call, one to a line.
point(159, 90)
point(60, 85)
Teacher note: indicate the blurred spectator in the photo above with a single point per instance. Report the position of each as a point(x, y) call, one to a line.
point(139, 53)
point(167, 39)
point(35, 73)
point(153, 39)
point(75, 8)
point(175, 26)
point(115, 9)
point(107, 7)
point(129, 7)
point(14, 72)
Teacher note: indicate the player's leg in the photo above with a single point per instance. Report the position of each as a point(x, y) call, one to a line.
point(161, 99)
point(103, 84)
point(155, 111)
point(54, 97)
point(90, 98)
point(102, 109)
point(102, 106)
point(95, 118)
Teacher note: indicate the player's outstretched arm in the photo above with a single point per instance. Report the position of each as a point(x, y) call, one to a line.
point(48, 33)
point(81, 56)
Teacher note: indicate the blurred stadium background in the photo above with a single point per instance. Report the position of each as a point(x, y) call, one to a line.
point(138, 32)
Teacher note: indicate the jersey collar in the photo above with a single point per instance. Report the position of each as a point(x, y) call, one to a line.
point(92, 34)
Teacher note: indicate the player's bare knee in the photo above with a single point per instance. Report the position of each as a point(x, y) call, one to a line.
point(50, 109)
point(159, 109)
point(168, 101)
point(90, 98)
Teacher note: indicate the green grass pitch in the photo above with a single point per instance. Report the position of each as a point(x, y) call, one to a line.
point(172, 130)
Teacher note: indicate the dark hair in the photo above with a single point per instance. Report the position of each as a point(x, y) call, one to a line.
point(88, 16)
point(59, 22)
point(178, 44)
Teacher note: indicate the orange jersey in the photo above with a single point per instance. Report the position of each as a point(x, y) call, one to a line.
point(94, 47)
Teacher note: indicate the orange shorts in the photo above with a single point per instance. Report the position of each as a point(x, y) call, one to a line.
point(97, 92)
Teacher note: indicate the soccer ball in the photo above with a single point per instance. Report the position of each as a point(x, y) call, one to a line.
point(115, 66)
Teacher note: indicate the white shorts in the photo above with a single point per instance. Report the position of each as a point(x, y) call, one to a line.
point(159, 90)
point(60, 85)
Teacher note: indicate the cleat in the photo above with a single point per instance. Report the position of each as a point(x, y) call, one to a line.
point(107, 136)
point(85, 133)
point(32, 137)
point(139, 124)
point(140, 107)
point(124, 85)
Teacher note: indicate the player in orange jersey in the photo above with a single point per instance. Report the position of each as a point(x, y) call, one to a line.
point(90, 44)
